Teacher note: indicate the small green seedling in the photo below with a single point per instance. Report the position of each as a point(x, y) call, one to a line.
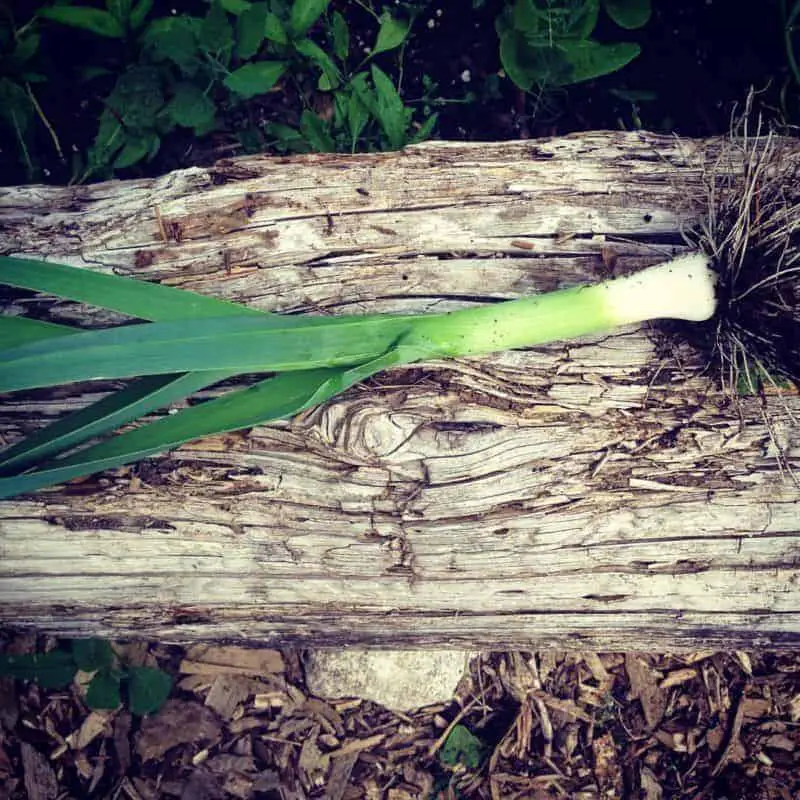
point(464, 748)
point(145, 689)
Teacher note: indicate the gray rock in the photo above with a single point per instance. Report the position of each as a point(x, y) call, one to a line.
point(398, 679)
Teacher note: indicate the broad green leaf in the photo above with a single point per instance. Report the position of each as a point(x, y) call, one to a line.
point(274, 30)
point(462, 747)
point(137, 97)
point(304, 14)
point(15, 331)
point(53, 670)
point(357, 117)
point(27, 47)
point(629, 14)
point(425, 130)
point(313, 51)
point(389, 108)
point(108, 141)
point(250, 30)
point(135, 149)
point(528, 65)
point(92, 654)
point(526, 16)
point(288, 138)
point(589, 59)
point(392, 33)
point(272, 399)
point(148, 689)
point(95, 20)
point(103, 692)
point(235, 7)
point(582, 20)
point(341, 36)
point(121, 9)
point(174, 39)
point(190, 106)
point(216, 32)
point(139, 13)
point(254, 79)
point(136, 298)
point(315, 132)
point(359, 85)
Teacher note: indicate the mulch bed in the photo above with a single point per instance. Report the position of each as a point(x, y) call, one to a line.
point(240, 723)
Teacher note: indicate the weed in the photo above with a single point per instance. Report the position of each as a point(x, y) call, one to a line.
point(547, 43)
point(145, 688)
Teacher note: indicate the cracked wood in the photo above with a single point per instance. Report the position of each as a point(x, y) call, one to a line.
point(595, 494)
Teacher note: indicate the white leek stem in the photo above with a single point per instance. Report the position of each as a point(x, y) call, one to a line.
point(679, 289)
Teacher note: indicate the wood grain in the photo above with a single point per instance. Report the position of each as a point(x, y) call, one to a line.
point(595, 494)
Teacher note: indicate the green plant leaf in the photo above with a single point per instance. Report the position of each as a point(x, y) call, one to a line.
point(137, 98)
point(316, 133)
point(191, 107)
point(288, 138)
point(389, 108)
point(216, 33)
point(121, 9)
point(314, 52)
point(139, 13)
point(141, 397)
point(136, 298)
point(95, 20)
point(628, 14)
point(425, 130)
point(15, 331)
point(27, 47)
point(524, 16)
point(244, 343)
point(274, 30)
point(528, 65)
point(462, 747)
point(590, 59)
point(235, 7)
point(135, 149)
point(341, 36)
point(357, 116)
point(304, 14)
point(254, 79)
point(92, 654)
point(148, 689)
point(274, 398)
point(174, 39)
point(250, 28)
point(391, 34)
point(53, 670)
point(103, 691)
point(582, 20)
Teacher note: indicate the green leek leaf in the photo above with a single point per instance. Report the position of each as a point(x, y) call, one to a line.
point(274, 398)
point(135, 298)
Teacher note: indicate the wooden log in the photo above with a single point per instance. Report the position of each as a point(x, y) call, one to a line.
point(594, 494)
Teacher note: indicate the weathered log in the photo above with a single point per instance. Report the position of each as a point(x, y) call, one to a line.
point(594, 494)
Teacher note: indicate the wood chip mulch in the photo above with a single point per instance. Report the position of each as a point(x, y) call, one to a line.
point(241, 724)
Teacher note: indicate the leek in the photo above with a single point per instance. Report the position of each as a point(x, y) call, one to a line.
point(196, 341)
